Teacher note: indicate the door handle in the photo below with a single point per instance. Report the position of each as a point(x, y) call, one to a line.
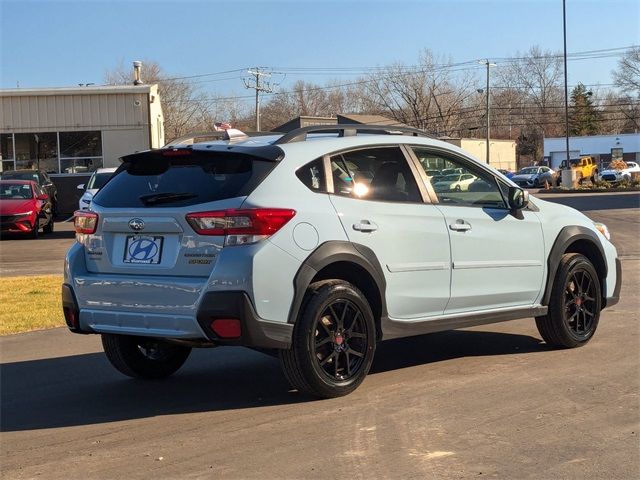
point(365, 226)
point(460, 226)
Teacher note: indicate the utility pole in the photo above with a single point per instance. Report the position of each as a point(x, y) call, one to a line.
point(488, 108)
point(258, 86)
point(566, 88)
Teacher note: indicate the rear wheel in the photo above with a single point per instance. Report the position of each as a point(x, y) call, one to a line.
point(574, 306)
point(142, 357)
point(333, 341)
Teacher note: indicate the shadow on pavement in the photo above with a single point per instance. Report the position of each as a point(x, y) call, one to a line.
point(85, 389)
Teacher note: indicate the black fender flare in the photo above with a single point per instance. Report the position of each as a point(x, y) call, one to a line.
point(565, 238)
point(332, 252)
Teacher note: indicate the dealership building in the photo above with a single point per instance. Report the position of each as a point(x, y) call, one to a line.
point(70, 132)
point(603, 147)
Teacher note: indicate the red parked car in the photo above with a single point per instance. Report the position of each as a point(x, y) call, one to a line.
point(24, 208)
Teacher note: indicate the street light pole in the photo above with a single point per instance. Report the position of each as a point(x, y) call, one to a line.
point(488, 107)
point(566, 88)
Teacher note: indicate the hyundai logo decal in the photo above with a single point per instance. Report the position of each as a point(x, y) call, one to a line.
point(136, 224)
point(143, 249)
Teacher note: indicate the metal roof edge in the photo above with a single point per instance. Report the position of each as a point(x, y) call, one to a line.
point(91, 90)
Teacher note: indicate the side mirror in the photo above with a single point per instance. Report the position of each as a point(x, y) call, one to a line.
point(518, 198)
point(43, 197)
point(80, 187)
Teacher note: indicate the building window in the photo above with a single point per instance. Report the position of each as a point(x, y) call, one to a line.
point(6, 152)
point(616, 154)
point(80, 152)
point(37, 151)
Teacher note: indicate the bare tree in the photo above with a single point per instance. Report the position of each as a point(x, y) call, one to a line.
point(627, 75)
point(428, 96)
point(537, 77)
point(182, 106)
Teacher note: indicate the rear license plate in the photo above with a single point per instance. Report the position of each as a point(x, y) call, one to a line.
point(143, 249)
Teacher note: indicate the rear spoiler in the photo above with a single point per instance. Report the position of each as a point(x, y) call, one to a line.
point(158, 160)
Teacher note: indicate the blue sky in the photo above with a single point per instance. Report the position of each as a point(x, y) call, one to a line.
point(54, 43)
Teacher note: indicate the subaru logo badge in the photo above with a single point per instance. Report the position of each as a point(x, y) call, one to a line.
point(136, 224)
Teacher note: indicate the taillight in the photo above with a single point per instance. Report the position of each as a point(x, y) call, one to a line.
point(240, 227)
point(85, 222)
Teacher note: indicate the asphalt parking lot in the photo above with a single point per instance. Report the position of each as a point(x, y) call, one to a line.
point(490, 401)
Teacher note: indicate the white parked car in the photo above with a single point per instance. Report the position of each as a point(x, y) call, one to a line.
point(615, 176)
point(454, 181)
point(95, 183)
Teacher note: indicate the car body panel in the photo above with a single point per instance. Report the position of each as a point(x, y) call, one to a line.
point(490, 268)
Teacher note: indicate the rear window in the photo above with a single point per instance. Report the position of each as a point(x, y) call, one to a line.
point(181, 182)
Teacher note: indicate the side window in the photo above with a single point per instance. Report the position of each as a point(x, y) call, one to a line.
point(459, 182)
point(312, 175)
point(381, 174)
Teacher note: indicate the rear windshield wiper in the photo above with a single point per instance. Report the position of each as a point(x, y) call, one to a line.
point(157, 198)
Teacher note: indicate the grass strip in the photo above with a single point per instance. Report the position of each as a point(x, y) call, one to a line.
point(30, 303)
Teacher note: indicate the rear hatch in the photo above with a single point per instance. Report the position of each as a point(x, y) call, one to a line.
point(142, 225)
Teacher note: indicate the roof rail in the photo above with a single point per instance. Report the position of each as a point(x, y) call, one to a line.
point(349, 130)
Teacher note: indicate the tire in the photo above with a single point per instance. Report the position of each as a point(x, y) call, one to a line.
point(536, 183)
point(142, 357)
point(327, 359)
point(36, 229)
point(575, 301)
point(457, 188)
point(48, 228)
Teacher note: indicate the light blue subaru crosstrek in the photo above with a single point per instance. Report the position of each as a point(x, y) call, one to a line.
point(318, 244)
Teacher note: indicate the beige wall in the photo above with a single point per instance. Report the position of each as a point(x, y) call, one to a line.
point(502, 152)
point(129, 117)
point(116, 143)
point(41, 113)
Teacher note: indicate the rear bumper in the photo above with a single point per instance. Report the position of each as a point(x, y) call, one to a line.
point(256, 332)
point(615, 298)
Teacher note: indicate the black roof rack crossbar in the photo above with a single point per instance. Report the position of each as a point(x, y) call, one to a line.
point(349, 130)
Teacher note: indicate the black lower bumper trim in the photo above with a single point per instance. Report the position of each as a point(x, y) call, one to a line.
point(611, 301)
point(256, 332)
point(69, 302)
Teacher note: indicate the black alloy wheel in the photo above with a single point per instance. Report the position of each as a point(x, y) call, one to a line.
point(580, 303)
point(333, 341)
point(574, 304)
point(339, 344)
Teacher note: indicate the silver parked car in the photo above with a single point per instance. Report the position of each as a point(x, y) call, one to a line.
point(318, 244)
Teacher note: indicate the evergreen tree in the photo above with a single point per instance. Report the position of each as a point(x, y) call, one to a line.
point(583, 116)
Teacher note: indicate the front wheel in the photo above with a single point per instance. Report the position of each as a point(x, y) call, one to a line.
point(36, 229)
point(48, 228)
point(574, 305)
point(142, 357)
point(333, 343)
